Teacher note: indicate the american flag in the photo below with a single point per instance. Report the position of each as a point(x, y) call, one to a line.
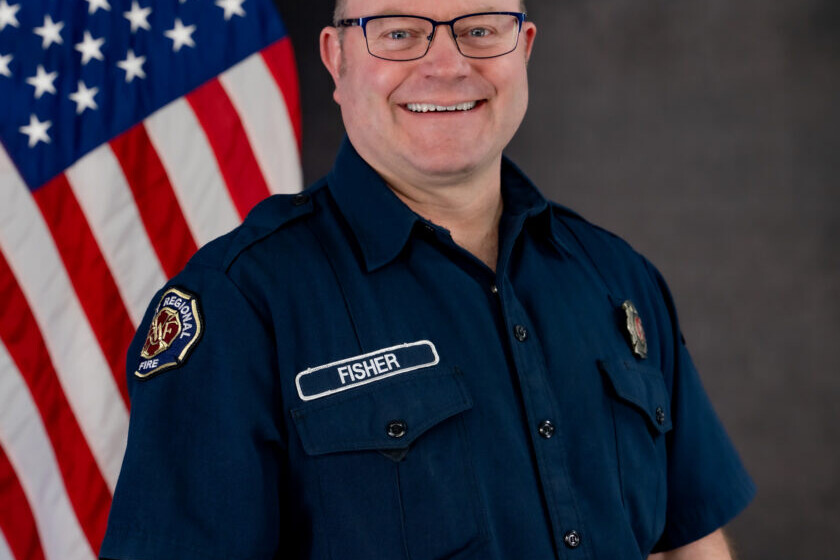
point(133, 132)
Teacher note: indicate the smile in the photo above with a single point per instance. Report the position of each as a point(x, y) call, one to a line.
point(430, 107)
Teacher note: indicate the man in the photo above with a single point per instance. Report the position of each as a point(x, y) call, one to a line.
point(420, 357)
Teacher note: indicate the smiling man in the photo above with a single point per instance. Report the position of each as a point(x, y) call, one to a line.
point(420, 356)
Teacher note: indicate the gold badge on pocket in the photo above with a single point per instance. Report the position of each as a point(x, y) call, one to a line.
point(635, 329)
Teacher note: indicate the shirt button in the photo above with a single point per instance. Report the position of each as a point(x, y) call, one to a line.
point(396, 428)
point(430, 228)
point(660, 415)
point(572, 539)
point(520, 332)
point(494, 289)
point(546, 429)
point(300, 199)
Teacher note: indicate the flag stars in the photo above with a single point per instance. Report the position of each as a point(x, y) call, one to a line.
point(5, 59)
point(83, 98)
point(94, 5)
point(8, 15)
point(181, 35)
point(133, 66)
point(37, 131)
point(231, 8)
point(43, 82)
point(50, 32)
point(90, 48)
point(138, 17)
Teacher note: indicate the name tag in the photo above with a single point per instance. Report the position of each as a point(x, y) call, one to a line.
point(315, 383)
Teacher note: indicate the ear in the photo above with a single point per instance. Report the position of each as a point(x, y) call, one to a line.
point(330, 44)
point(529, 31)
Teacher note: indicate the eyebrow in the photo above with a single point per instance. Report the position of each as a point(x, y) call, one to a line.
point(389, 11)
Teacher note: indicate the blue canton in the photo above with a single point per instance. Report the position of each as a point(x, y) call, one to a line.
point(75, 74)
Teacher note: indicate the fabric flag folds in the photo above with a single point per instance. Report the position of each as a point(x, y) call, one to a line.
point(133, 132)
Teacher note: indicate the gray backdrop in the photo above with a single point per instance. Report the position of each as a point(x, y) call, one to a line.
point(706, 134)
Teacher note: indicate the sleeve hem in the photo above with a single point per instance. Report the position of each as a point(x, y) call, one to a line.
point(707, 517)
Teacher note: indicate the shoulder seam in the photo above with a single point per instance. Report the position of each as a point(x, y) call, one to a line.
point(250, 233)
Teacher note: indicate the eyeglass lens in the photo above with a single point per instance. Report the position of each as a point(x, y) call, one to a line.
point(406, 37)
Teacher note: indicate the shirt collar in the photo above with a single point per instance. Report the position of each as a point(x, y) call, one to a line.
point(382, 223)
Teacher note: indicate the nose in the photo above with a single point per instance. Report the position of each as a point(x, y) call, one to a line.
point(443, 57)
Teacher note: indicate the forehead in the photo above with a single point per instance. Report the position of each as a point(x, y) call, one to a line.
point(439, 8)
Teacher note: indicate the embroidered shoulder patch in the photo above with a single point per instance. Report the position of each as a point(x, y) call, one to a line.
point(173, 334)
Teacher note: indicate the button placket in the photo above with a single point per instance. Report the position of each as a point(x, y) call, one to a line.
point(539, 404)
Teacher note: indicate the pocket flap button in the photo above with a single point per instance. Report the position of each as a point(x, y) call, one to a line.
point(396, 428)
point(660, 415)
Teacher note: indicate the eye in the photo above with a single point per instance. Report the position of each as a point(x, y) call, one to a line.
point(479, 32)
point(401, 33)
point(398, 34)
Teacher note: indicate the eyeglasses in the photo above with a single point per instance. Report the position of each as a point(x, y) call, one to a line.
point(401, 37)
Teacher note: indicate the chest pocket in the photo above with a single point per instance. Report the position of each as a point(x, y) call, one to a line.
point(642, 417)
point(394, 468)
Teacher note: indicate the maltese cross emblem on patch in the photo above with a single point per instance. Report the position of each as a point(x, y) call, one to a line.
point(635, 329)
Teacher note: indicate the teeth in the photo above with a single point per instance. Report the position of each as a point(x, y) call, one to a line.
point(427, 107)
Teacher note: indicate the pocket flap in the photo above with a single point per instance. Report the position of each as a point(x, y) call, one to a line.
point(359, 419)
point(643, 387)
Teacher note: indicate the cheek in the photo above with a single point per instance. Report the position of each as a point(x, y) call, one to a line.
point(368, 91)
point(517, 87)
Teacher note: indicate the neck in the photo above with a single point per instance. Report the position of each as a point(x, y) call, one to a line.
point(470, 209)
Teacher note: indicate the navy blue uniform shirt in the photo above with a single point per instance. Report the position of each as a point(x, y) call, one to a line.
point(337, 379)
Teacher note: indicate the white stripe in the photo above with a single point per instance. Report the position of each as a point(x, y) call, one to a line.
point(193, 171)
point(5, 551)
point(108, 204)
point(23, 437)
point(81, 367)
point(260, 104)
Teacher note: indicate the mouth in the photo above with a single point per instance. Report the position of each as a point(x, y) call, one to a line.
point(433, 108)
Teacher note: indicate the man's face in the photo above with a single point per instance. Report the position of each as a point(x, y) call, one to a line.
point(375, 95)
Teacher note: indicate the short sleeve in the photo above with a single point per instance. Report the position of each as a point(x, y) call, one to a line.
point(706, 481)
point(202, 469)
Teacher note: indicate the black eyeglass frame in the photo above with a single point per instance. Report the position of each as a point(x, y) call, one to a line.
point(363, 21)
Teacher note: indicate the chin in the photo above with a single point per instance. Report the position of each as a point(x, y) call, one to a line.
point(446, 166)
point(445, 157)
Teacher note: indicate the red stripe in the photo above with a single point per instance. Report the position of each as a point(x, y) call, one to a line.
point(16, 519)
point(165, 223)
point(95, 287)
point(85, 485)
point(280, 59)
point(224, 130)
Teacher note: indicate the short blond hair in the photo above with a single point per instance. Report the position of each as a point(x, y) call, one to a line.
point(338, 13)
